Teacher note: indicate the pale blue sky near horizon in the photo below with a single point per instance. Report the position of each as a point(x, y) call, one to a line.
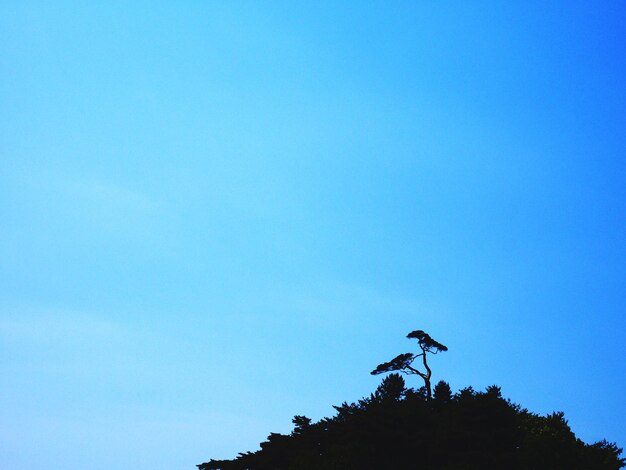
point(216, 216)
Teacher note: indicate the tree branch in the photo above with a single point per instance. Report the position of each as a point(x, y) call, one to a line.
point(415, 371)
point(428, 371)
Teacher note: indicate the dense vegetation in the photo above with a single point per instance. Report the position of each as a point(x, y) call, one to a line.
point(399, 428)
point(432, 429)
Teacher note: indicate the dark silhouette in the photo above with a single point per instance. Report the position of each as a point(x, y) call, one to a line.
point(403, 362)
point(400, 428)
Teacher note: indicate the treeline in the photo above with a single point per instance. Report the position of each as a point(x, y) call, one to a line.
point(402, 428)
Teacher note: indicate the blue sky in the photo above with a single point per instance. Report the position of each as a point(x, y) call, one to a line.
point(216, 216)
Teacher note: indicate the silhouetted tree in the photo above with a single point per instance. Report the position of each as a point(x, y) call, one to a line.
point(398, 428)
point(403, 362)
point(392, 388)
point(403, 428)
point(442, 392)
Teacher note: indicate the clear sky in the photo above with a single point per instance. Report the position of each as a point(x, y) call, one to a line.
point(217, 215)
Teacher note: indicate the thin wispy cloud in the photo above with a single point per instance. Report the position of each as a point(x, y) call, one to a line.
point(52, 326)
point(101, 193)
point(91, 351)
point(92, 201)
point(89, 190)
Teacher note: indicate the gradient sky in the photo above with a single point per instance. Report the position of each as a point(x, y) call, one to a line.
point(217, 215)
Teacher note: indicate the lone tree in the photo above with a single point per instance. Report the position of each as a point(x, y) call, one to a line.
point(403, 362)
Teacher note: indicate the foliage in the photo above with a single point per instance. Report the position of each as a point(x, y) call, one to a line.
point(403, 362)
point(426, 342)
point(399, 428)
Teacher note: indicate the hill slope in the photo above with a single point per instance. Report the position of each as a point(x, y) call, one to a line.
point(399, 428)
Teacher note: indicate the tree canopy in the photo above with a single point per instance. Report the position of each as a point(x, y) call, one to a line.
point(411, 429)
point(398, 428)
